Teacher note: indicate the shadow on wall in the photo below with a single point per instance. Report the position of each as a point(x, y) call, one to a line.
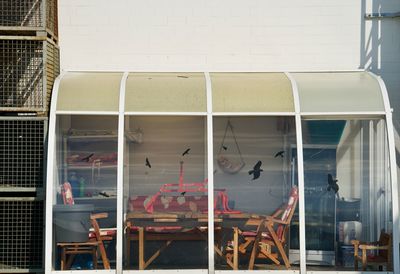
point(380, 47)
point(380, 52)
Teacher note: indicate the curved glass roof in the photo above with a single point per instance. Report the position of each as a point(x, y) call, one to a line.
point(166, 92)
point(319, 92)
point(338, 92)
point(251, 92)
point(89, 91)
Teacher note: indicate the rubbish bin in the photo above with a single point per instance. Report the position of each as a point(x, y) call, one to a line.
point(72, 222)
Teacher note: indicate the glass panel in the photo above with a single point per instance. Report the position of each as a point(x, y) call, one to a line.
point(85, 192)
point(347, 191)
point(338, 92)
point(255, 192)
point(165, 192)
point(166, 92)
point(94, 91)
point(251, 92)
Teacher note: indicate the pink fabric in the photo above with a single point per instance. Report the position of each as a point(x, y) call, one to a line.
point(66, 192)
point(92, 235)
point(294, 195)
point(161, 229)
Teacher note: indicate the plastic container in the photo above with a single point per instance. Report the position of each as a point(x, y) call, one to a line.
point(72, 222)
point(348, 210)
point(347, 255)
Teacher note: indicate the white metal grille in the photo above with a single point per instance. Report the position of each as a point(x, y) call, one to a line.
point(21, 153)
point(21, 74)
point(21, 234)
point(21, 13)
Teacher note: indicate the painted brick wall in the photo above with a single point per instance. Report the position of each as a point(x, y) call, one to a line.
point(210, 35)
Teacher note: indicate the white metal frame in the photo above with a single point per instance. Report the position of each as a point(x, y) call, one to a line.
point(393, 172)
point(299, 141)
point(120, 175)
point(210, 114)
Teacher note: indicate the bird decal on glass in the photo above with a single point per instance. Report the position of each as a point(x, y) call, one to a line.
point(87, 158)
point(148, 162)
point(186, 152)
point(256, 171)
point(332, 184)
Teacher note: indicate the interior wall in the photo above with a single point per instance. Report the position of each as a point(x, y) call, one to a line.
point(350, 162)
point(259, 139)
point(163, 143)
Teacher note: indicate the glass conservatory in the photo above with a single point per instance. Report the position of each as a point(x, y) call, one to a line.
point(221, 172)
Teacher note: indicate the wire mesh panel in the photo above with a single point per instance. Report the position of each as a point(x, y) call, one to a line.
point(21, 153)
point(22, 74)
point(51, 16)
point(21, 13)
point(29, 15)
point(21, 234)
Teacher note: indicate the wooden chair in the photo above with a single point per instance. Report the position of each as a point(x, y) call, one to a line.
point(383, 247)
point(95, 242)
point(269, 240)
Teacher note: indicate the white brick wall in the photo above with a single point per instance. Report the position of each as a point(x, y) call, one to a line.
point(209, 35)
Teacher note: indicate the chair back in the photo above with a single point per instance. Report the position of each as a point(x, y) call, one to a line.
point(385, 239)
point(287, 214)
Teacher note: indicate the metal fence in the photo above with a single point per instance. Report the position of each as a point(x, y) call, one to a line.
point(21, 234)
point(22, 153)
point(26, 15)
point(28, 67)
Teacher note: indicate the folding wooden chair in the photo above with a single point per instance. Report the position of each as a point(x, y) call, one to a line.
point(269, 240)
point(383, 247)
point(95, 242)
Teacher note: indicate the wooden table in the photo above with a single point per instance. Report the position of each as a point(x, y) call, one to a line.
point(193, 228)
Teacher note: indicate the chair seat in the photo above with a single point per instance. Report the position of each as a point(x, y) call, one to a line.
point(264, 235)
point(376, 259)
point(103, 232)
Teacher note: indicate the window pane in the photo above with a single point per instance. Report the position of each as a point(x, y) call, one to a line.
point(347, 190)
point(94, 91)
point(251, 92)
point(254, 178)
point(85, 192)
point(166, 92)
point(165, 192)
point(338, 92)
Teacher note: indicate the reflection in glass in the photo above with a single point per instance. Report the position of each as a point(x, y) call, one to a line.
point(84, 214)
point(255, 192)
point(165, 192)
point(347, 191)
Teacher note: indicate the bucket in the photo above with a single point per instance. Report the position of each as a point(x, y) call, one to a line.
point(72, 222)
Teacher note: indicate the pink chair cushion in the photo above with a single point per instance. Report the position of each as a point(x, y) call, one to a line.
point(110, 232)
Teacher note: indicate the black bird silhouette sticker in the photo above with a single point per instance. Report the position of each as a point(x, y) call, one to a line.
point(148, 163)
point(332, 184)
point(256, 171)
point(186, 152)
point(224, 147)
point(87, 158)
point(280, 153)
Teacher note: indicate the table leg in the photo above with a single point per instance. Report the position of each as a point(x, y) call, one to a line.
point(63, 258)
point(128, 249)
point(235, 248)
point(141, 248)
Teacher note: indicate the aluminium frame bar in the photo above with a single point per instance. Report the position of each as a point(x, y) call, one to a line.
point(393, 172)
point(120, 174)
point(51, 143)
point(300, 173)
